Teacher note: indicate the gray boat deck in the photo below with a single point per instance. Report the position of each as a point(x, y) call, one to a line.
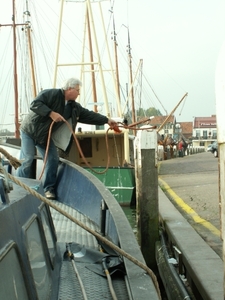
point(96, 286)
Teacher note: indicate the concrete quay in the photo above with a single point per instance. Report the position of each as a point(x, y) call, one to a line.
point(190, 213)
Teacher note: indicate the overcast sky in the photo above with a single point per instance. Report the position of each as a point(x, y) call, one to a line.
point(178, 40)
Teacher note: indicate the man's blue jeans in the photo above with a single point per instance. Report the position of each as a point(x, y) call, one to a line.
point(27, 154)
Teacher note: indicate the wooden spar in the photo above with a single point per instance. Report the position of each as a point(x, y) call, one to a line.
point(131, 87)
point(58, 43)
point(31, 62)
point(163, 123)
point(116, 87)
point(28, 30)
point(90, 33)
point(15, 73)
point(131, 91)
point(92, 65)
point(82, 59)
point(220, 120)
point(131, 81)
point(116, 61)
point(98, 56)
point(16, 107)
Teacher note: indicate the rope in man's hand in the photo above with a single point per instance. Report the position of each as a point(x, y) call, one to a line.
point(116, 127)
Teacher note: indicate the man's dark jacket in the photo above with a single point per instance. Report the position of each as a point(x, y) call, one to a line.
point(37, 123)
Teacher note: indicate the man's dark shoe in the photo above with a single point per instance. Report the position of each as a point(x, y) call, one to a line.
point(50, 195)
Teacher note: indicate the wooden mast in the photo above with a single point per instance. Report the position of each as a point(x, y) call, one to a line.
point(16, 118)
point(28, 32)
point(112, 69)
point(131, 80)
point(90, 20)
point(16, 107)
point(92, 60)
point(98, 58)
point(58, 43)
point(116, 61)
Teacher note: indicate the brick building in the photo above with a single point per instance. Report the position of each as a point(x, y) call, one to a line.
point(201, 132)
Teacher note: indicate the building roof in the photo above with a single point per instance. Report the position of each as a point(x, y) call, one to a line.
point(205, 122)
point(158, 120)
point(186, 129)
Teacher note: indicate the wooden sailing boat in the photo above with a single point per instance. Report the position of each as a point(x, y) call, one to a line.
point(98, 66)
point(42, 242)
point(119, 177)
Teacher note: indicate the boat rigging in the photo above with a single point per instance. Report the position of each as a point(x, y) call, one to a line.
point(14, 25)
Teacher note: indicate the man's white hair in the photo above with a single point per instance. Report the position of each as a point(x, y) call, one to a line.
point(71, 83)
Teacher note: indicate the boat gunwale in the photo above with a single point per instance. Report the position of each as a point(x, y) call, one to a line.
point(140, 284)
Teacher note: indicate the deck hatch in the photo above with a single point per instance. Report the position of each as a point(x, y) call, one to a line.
point(14, 287)
point(37, 258)
point(48, 231)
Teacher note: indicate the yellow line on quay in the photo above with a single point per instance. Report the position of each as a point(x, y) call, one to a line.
point(192, 213)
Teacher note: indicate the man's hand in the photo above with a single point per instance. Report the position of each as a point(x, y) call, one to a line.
point(112, 123)
point(56, 117)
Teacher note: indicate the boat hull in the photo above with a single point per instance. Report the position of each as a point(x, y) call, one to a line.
point(77, 190)
point(119, 181)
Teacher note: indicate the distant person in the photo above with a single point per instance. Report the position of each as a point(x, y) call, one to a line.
point(180, 148)
point(51, 105)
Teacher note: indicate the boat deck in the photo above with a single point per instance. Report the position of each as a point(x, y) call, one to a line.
point(95, 285)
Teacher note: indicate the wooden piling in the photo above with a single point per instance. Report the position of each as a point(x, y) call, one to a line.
point(147, 209)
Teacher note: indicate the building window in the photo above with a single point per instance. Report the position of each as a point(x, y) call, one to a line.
point(204, 135)
point(214, 134)
point(198, 133)
point(168, 125)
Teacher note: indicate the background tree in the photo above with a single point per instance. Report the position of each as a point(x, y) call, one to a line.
point(142, 113)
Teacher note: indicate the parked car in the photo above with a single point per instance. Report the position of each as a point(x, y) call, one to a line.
point(214, 149)
point(209, 148)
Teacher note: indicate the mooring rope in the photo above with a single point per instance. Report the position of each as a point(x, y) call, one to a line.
point(14, 162)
